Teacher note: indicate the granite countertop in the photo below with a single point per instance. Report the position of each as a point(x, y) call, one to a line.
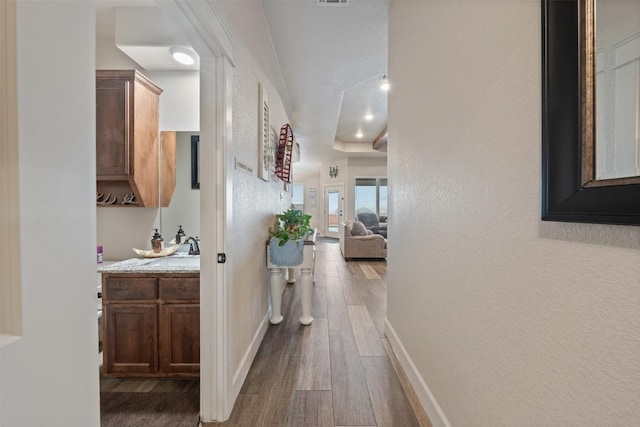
point(171, 264)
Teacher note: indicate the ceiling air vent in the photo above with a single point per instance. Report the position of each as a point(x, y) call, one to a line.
point(332, 2)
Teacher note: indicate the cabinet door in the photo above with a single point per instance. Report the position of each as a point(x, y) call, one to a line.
point(114, 110)
point(131, 338)
point(180, 338)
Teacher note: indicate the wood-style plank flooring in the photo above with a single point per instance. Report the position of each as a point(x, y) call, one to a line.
point(339, 371)
point(148, 385)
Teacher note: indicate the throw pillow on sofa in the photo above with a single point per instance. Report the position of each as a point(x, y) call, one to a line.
point(347, 228)
point(358, 229)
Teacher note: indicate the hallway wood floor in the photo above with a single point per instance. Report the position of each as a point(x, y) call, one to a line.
point(339, 371)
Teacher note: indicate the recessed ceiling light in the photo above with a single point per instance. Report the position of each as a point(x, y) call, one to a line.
point(368, 117)
point(359, 134)
point(182, 55)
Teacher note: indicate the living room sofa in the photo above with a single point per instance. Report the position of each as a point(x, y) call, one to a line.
point(371, 222)
point(357, 242)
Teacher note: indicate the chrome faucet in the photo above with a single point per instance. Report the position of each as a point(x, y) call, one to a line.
point(194, 248)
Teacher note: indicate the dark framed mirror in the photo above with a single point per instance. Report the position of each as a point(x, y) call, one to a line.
point(195, 162)
point(571, 190)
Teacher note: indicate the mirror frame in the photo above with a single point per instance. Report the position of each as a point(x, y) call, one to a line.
point(569, 192)
point(195, 162)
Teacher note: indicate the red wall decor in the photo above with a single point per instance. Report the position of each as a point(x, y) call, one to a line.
point(285, 148)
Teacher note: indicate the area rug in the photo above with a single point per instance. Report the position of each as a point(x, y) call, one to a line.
point(149, 409)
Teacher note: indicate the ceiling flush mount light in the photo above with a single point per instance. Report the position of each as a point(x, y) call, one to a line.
point(359, 134)
point(368, 117)
point(384, 84)
point(182, 55)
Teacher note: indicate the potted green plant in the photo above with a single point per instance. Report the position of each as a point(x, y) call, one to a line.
point(292, 224)
point(291, 228)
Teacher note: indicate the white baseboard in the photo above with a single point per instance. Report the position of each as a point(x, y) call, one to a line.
point(427, 400)
point(247, 359)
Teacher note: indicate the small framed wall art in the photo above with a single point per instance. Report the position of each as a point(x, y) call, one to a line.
point(264, 133)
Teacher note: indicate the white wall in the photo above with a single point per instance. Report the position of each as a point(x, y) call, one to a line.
point(311, 181)
point(180, 99)
point(254, 201)
point(108, 56)
point(510, 321)
point(50, 376)
point(120, 229)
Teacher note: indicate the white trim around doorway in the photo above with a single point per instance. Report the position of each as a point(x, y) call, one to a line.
point(208, 34)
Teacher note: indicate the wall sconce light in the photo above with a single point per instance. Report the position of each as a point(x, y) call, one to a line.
point(333, 171)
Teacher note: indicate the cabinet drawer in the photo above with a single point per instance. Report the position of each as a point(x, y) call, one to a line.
point(180, 289)
point(130, 288)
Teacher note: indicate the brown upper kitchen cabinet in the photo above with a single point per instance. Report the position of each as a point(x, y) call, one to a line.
point(127, 139)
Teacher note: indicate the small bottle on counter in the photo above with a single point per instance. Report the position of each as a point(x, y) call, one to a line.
point(99, 251)
point(156, 242)
point(180, 235)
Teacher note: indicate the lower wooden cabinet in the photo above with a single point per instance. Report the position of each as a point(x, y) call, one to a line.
point(151, 325)
point(131, 341)
point(180, 338)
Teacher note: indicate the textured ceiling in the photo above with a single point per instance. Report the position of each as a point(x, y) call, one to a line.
point(329, 55)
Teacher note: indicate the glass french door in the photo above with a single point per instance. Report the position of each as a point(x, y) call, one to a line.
point(333, 210)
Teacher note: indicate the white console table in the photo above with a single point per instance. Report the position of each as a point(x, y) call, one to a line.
point(277, 283)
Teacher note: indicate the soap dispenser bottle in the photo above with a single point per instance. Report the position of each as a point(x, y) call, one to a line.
point(179, 235)
point(156, 242)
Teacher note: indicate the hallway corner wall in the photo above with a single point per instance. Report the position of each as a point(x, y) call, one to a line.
point(508, 320)
point(254, 201)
